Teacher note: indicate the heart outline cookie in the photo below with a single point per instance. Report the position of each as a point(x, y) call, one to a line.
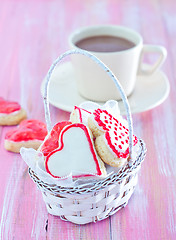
point(66, 134)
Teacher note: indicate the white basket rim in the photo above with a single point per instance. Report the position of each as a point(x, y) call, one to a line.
point(125, 171)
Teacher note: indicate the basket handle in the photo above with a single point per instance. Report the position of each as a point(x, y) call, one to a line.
point(108, 71)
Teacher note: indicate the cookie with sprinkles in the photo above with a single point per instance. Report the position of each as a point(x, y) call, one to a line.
point(112, 137)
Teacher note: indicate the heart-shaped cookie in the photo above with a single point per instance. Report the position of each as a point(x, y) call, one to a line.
point(51, 142)
point(76, 155)
point(112, 137)
point(29, 133)
point(11, 113)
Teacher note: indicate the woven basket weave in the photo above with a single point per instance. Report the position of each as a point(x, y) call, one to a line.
point(81, 204)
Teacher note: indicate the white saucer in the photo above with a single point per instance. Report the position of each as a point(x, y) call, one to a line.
point(150, 91)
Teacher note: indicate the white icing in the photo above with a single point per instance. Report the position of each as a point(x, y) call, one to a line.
point(111, 106)
point(75, 158)
point(89, 106)
point(119, 117)
point(115, 129)
point(135, 148)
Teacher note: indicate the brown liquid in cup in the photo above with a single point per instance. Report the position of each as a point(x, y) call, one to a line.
point(104, 44)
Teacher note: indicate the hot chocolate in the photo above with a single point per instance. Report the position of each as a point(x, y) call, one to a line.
point(104, 43)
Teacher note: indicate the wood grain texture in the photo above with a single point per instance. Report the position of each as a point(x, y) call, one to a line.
point(33, 34)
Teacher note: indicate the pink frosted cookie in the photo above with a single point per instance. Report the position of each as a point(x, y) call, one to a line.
point(29, 134)
point(76, 155)
point(112, 137)
point(51, 142)
point(79, 115)
point(11, 113)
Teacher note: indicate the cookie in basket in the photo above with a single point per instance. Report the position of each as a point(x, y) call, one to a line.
point(76, 201)
point(79, 115)
point(11, 113)
point(75, 155)
point(112, 137)
point(51, 141)
point(29, 134)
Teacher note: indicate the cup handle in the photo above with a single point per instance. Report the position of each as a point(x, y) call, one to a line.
point(162, 53)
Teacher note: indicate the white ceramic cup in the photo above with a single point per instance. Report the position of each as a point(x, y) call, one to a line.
point(92, 82)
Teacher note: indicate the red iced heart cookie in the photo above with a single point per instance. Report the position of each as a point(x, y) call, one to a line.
point(11, 113)
point(51, 142)
point(30, 133)
point(76, 154)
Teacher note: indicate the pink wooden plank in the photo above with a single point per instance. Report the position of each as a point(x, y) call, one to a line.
point(153, 207)
point(33, 34)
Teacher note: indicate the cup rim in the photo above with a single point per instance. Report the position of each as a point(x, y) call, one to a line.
point(107, 26)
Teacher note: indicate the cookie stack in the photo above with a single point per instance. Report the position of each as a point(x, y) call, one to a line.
point(84, 146)
point(84, 172)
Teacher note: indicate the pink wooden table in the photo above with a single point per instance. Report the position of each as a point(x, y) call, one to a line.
point(32, 35)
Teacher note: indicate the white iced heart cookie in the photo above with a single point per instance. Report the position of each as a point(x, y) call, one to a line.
point(76, 155)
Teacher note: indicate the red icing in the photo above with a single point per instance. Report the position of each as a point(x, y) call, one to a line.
point(116, 129)
point(8, 107)
point(84, 128)
point(28, 130)
point(51, 143)
point(80, 110)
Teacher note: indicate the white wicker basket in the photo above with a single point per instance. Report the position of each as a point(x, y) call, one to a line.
point(80, 204)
